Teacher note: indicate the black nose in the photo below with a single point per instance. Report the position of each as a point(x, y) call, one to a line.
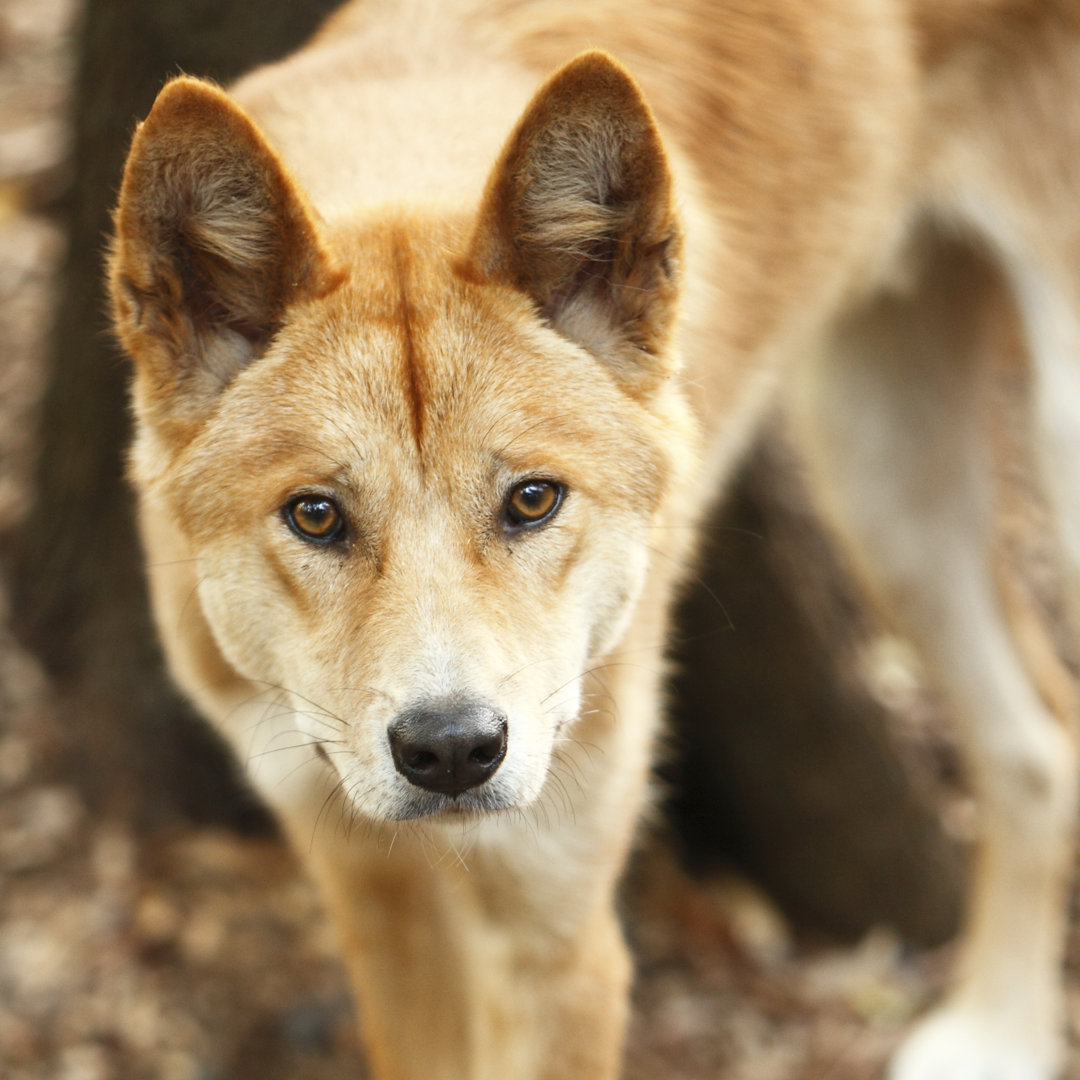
point(450, 748)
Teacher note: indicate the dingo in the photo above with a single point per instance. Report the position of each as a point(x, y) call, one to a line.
point(432, 370)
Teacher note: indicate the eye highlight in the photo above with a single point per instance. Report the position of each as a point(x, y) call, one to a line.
point(532, 502)
point(315, 518)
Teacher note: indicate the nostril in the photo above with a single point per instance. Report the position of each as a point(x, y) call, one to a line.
point(421, 759)
point(491, 751)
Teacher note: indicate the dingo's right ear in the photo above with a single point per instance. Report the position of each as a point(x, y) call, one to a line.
point(214, 241)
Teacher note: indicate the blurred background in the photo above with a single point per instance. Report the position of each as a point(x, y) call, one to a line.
point(791, 905)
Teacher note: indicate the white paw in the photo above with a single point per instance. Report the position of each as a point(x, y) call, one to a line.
point(960, 1044)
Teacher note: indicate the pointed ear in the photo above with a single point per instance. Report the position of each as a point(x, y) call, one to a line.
point(578, 213)
point(213, 242)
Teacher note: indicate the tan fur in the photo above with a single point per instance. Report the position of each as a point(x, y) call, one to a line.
point(402, 273)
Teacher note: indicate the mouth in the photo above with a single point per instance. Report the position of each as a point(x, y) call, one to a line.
point(470, 806)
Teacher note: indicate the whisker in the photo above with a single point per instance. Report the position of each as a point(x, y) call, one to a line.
point(694, 576)
point(335, 788)
point(501, 451)
point(292, 746)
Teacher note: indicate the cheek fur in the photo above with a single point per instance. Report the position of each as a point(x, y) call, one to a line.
point(611, 614)
point(240, 613)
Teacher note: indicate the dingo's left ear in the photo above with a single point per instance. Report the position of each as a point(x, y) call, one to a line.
point(578, 213)
point(214, 240)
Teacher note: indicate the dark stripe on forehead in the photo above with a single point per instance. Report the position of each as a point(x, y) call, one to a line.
point(413, 380)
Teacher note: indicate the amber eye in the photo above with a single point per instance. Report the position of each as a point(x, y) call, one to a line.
point(532, 502)
point(316, 518)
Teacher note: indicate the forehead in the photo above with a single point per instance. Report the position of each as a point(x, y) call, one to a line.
point(420, 350)
point(416, 368)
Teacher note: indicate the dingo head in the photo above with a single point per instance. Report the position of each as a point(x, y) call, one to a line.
point(414, 457)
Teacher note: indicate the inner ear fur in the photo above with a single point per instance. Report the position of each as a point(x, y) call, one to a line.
point(213, 242)
point(578, 213)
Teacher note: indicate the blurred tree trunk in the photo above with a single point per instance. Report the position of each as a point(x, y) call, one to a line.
point(77, 582)
point(79, 592)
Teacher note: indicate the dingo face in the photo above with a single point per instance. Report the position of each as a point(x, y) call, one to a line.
point(418, 496)
point(379, 550)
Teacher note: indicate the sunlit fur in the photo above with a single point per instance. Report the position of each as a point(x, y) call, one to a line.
point(443, 250)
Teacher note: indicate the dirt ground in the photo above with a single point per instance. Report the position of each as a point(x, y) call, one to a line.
point(200, 955)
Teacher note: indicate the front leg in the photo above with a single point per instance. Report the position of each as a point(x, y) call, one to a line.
point(486, 966)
